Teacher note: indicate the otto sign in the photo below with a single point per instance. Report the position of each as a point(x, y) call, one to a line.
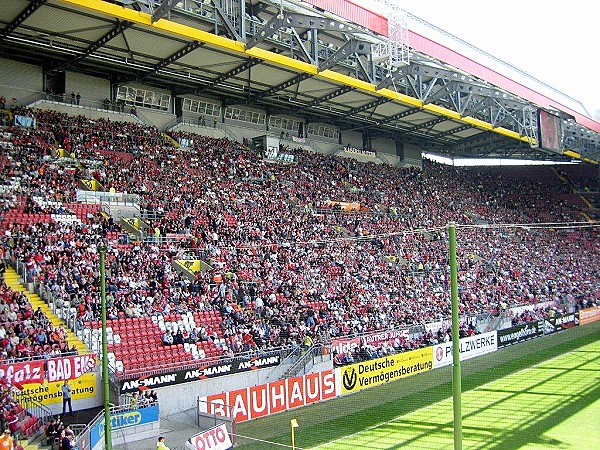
point(215, 438)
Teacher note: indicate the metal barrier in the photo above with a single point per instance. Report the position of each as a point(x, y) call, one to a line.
point(306, 359)
point(111, 198)
point(36, 409)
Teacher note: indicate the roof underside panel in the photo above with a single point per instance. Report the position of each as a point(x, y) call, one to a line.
point(12, 9)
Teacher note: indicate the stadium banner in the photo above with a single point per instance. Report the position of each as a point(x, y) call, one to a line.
point(345, 345)
point(24, 121)
point(520, 333)
point(124, 419)
point(201, 373)
point(51, 393)
point(270, 398)
point(53, 369)
point(23, 372)
point(469, 347)
point(348, 345)
point(69, 367)
point(215, 438)
point(385, 337)
point(362, 375)
point(589, 315)
point(560, 322)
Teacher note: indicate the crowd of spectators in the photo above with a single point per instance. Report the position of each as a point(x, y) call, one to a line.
point(25, 333)
point(285, 263)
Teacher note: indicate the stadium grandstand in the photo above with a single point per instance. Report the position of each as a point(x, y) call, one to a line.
point(230, 193)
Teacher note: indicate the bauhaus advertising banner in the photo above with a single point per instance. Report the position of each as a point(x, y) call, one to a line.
point(270, 398)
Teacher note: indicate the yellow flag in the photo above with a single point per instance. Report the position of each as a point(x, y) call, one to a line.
point(294, 423)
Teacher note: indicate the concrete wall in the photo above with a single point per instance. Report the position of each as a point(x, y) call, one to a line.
point(19, 80)
point(387, 146)
point(391, 160)
point(239, 131)
point(216, 133)
point(92, 113)
point(412, 155)
point(91, 88)
point(324, 147)
point(160, 119)
point(181, 397)
point(354, 138)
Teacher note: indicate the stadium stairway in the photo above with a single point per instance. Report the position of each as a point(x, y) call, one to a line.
point(13, 281)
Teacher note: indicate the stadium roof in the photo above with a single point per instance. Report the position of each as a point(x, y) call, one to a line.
point(298, 60)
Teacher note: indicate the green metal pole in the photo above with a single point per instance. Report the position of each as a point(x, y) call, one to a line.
point(456, 376)
point(105, 381)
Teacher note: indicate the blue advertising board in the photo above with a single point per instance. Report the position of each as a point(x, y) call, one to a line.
point(124, 419)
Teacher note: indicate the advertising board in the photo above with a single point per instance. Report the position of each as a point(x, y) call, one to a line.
point(469, 347)
point(362, 375)
point(200, 373)
point(560, 322)
point(265, 399)
point(50, 393)
point(520, 333)
point(589, 315)
point(124, 419)
point(216, 438)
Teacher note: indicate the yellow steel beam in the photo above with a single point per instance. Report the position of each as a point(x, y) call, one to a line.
point(442, 111)
point(282, 60)
point(187, 32)
point(140, 18)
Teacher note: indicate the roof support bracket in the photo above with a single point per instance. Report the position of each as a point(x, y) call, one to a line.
point(353, 46)
point(299, 22)
point(163, 10)
point(227, 22)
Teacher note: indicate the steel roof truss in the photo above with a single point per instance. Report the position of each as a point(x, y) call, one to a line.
point(95, 46)
point(395, 117)
point(307, 56)
point(297, 22)
point(286, 84)
point(330, 96)
point(362, 69)
point(230, 27)
point(189, 48)
point(396, 76)
point(163, 10)
point(28, 11)
point(453, 131)
point(250, 62)
point(350, 47)
point(366, 107)
point(429, 124)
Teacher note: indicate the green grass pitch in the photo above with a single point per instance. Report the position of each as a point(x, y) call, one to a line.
point(536, 395)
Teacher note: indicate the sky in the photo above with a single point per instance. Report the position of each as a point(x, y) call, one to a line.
point(551, 40)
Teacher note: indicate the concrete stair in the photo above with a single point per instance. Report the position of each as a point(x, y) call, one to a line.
point(13, 281)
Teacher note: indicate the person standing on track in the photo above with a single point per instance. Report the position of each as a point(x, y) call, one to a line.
point(160, 444)
point(66, 393)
